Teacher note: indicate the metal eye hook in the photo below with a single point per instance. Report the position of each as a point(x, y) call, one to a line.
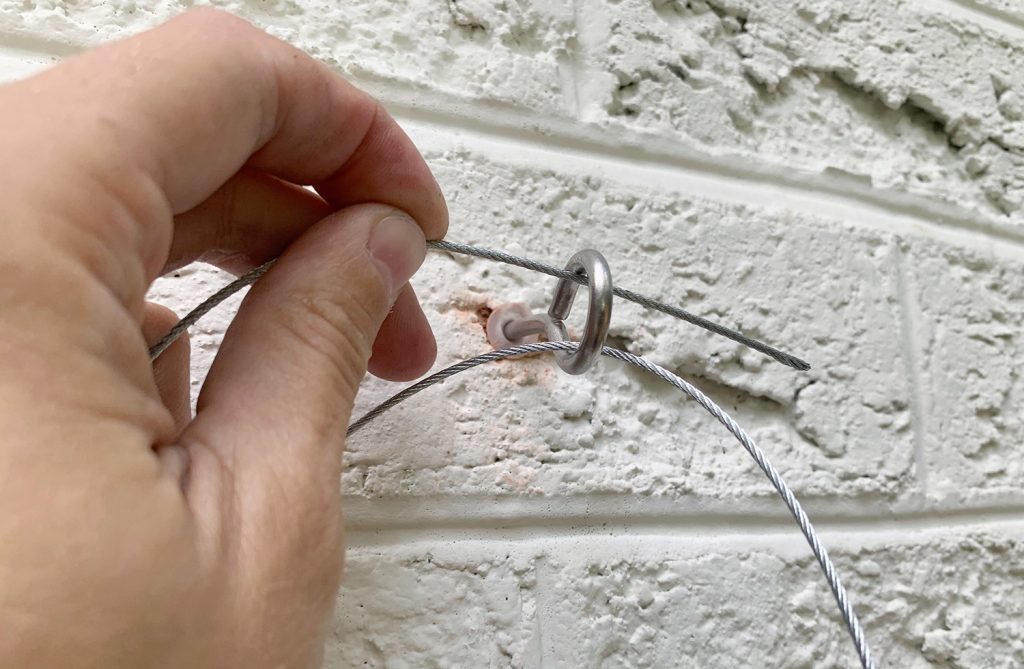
point(513, 324)
point(599, 312)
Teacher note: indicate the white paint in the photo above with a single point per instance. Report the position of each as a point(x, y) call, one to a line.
point(729, 181)
point(549, 521)
point(997, 15)
point(17, 63)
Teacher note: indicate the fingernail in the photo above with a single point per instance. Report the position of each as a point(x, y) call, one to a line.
point(398, 247)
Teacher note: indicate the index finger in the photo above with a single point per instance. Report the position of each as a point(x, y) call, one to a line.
point(185, 106)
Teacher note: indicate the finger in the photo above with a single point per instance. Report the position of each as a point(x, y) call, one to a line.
point(171, 370)
point(271, 417)
point(404, 348)
point(254, 217)
point(170, 115)
point(249, 220)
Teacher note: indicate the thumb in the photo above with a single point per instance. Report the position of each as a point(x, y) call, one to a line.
point(271, 418)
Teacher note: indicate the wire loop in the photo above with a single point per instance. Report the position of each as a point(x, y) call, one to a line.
point(842, 598)
point(519, 323)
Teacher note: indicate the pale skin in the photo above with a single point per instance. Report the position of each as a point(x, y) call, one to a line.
point(132, 533)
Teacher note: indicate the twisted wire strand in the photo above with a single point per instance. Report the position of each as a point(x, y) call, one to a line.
point(489, 254)
point(206, 306)
point(806, 528)
point(498, 256)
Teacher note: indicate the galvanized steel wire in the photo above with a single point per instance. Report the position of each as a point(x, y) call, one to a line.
point(789, 499)
point(499, 256)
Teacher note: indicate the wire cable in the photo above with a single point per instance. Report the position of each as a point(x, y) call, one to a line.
point(806, 528)
point(644, 301)
point(489, 254)
point(838, 591)
point(206, 306)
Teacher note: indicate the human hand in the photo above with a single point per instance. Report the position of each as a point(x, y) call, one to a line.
point(131, 534)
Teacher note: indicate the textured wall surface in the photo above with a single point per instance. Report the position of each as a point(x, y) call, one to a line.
point(842, 177)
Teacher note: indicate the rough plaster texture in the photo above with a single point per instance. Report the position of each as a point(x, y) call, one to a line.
point(1005, 9)
point(660, 602)
point(841, 178)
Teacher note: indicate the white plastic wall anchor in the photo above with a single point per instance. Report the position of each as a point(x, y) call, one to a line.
point(499, 333)
point(513, 324)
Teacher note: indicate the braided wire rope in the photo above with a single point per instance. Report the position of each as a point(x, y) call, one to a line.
point(499, 256)
point(206, 306)
point(789, 499)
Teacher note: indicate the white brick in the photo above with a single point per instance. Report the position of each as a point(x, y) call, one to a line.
point(971, 319)
point(419, 611)
point(786, 616)
point(508, 53)
point(820, 288)
point(902, 96)
point(893, 93)
point(627, 601)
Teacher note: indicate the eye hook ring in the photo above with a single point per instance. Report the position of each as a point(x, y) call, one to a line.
point(594, 267)
point(513, 324)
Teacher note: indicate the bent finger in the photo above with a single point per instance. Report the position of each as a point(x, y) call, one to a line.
point(171, 370)
point(166, 117)
point(405, 347)
point(249, 220)
point(252, 219)
point(269, 436)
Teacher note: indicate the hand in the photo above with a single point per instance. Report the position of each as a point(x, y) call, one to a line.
point(131, 534)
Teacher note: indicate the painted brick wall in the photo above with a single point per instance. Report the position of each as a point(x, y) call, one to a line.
point(844, 177)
